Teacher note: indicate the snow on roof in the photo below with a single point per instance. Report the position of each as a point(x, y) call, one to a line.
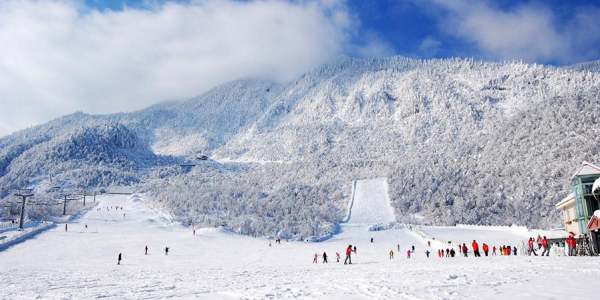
point(594, 222)
point(596, 185)
point(565, 200)
point(587, 169)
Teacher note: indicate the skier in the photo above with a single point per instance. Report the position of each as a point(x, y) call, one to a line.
point(325, 258)
point(166, 250)
point(515, 250)
point(354, 249)
point(545, 246)
point(66, 227)
point(119, 259)
point(452, 252)
point(194, 231)
point(371, 240)
point(475, 246)
point(315, 258)
point(337, 257)
point(408, 252)
point(494, 250)
point(348, 259)
point(486, 249)
point(530, 248)
point(571, 244)
point(464, 249)
point(427, 253)
point(413, 248)
point(398, 247)
point(447, 252)
point(146, 253)
point(391, 254)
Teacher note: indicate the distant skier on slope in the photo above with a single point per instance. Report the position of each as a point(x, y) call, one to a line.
point(146, 253)
point(354, 249)
point(464, 249)
point(475, 247)
point(348, 259)
point(408, 252)
point(486, 249)
point(427, 253)
point(166, 250)
point(337, 257)
point(325, 258)
point(391, 254)
point(545, 246)
point(315, 258)
point(119, 259)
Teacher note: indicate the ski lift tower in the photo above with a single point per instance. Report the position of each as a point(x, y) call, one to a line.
point(24, 194)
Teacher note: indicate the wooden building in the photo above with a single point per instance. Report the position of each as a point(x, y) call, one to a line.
point(579, 206)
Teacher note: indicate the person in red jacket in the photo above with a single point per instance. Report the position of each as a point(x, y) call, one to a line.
point(545, 246)
point(530, 247)
point(475, 247)
point(348, 259)
point(571, 244)
point(486, 249)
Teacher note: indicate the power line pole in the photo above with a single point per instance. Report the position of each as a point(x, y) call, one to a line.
point(66, 199)
point(65, 206)
point(24, 194)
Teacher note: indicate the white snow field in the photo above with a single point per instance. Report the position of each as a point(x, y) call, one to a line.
point(213, 264)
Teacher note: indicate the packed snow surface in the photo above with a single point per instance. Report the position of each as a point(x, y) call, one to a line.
point(214, 264)
point(371, 202)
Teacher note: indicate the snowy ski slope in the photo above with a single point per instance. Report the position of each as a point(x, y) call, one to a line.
point(371, 202)
point(213, 264)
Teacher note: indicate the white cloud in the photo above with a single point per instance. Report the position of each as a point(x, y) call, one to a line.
point(57, 57)
point(429, 46)
point(529, 31)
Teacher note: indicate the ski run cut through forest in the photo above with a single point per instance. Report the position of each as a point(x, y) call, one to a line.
point(79, 260)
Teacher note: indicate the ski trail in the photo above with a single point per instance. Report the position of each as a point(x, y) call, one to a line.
point(371, 203)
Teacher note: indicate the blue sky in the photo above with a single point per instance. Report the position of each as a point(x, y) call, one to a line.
point(418, 28)
point(106, 56)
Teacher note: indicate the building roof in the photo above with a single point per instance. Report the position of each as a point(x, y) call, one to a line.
point(587, 169)
point(565, 201)
point(594, 223)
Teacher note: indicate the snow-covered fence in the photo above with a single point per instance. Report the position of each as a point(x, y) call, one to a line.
point(512, 228)
point(19, 236)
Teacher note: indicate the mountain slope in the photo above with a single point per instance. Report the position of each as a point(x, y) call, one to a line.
point(461, 141)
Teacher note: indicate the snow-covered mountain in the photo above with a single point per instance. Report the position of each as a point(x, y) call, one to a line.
point(460, 141)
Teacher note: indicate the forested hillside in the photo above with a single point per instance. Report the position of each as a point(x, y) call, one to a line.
point(461, 141)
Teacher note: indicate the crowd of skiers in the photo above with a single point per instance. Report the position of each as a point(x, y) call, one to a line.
point(476, 250)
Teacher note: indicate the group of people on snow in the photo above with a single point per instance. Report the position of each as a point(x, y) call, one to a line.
point(120, 256)
point(349, 250)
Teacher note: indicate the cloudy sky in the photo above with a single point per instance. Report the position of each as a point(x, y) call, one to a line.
point(102, 56)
